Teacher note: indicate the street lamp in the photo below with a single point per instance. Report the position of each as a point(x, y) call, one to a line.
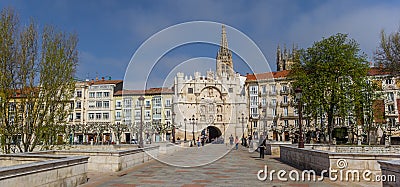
point(251, 126)
point(185, 120)
point(173, 127)
point(242, 120)
point(141, 103)
point(193, 121)
point(298, 92)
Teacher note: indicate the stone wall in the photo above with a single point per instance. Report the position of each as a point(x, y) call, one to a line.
point(111, 160)
point(318, 160)
point(272, 148)
point(390, 169)
point(48, 170)
point(355, 149)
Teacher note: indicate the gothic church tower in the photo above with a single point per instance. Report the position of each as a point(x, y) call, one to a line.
point(224, 58)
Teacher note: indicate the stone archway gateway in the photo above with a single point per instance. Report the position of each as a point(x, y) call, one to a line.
point(213, 133)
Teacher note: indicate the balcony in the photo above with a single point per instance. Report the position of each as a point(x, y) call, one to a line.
point(284, 104)
point(272, 93)
point(391, 113)
point(272, 105)
point(284, 92)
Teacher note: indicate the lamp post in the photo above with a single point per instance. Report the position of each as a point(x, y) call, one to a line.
point(242, 120)
point(193, 121)
point(298, 92)
point(173, 127)
point(141, 102)
point(185, 120)
point(251, 126)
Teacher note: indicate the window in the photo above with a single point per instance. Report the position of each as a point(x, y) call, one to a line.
point(105, 115)
point(273, 102)
point(390, 96)
point(98, 104)
point(255, 124)
point(264, 101)
point(137, 114)
point(106, 94)
point(91, 94)
point(168, 113)
point(118, 115)
point(190, 90)
point(127, 113)
point(91, 116)
point(147, 113)
point(127, 103)
point(106, 104)
point(230, 90)
point(78, 104)
point(285, 111)
point(389, 81)
point(284, 88)
point(78, 93)
point(286, 123)
point(254, 90)
point(71, 105)
point(264, 89)
point(78, 115)
point(99, 94)
point(285, 99)
point(273, 112)
point(98, 115)
point(273, 88)
point(391, 108)
point(118, 104)
point(168, 103)
point(156, 102)
point(92, 104)
point(253, 111)
point(71, 117)
point(147, 103)
point(253, 100)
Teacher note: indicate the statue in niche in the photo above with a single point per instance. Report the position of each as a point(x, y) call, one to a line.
point(210, 92)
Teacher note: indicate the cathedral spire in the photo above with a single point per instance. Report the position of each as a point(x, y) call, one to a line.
point(224, 57)
point(224, 50)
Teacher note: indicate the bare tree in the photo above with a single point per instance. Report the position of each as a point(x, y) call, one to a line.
point(388, 52)
point(36, 82)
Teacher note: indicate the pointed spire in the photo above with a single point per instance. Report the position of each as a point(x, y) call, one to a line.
point(224, 41)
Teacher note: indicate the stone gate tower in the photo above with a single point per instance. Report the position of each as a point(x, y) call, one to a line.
point(214, 100)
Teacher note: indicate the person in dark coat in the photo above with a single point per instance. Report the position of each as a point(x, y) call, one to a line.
point(262, 148)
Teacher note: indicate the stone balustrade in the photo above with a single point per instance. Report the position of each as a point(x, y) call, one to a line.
point(110, 160)
point(319, 160)
point(43, 170)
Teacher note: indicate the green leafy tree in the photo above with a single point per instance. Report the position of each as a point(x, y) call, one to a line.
point(36, 83)
point(388, 52)
point(333, 76)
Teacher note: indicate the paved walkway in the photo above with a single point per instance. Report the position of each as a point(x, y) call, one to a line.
point(237, 168)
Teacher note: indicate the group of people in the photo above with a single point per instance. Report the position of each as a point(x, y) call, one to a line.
point(261, 146)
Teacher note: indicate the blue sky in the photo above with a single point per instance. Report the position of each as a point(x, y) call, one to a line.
point(111, 31)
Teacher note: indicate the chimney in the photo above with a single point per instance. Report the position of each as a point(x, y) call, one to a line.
point(92, 81)
point(102, 78)
point(97, 78)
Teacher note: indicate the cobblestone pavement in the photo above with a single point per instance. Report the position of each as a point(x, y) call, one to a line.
point(238, 168)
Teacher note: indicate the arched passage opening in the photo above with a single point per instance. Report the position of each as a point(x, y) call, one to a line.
point(212, 133)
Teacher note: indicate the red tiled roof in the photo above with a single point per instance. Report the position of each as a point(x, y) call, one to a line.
point(105, 82)
point(377, 71)
point(267, 75)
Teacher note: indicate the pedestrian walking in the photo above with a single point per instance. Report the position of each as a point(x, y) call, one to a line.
point(236, 142)
point(261, 147)
point(198, 142)
point(231, 140)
